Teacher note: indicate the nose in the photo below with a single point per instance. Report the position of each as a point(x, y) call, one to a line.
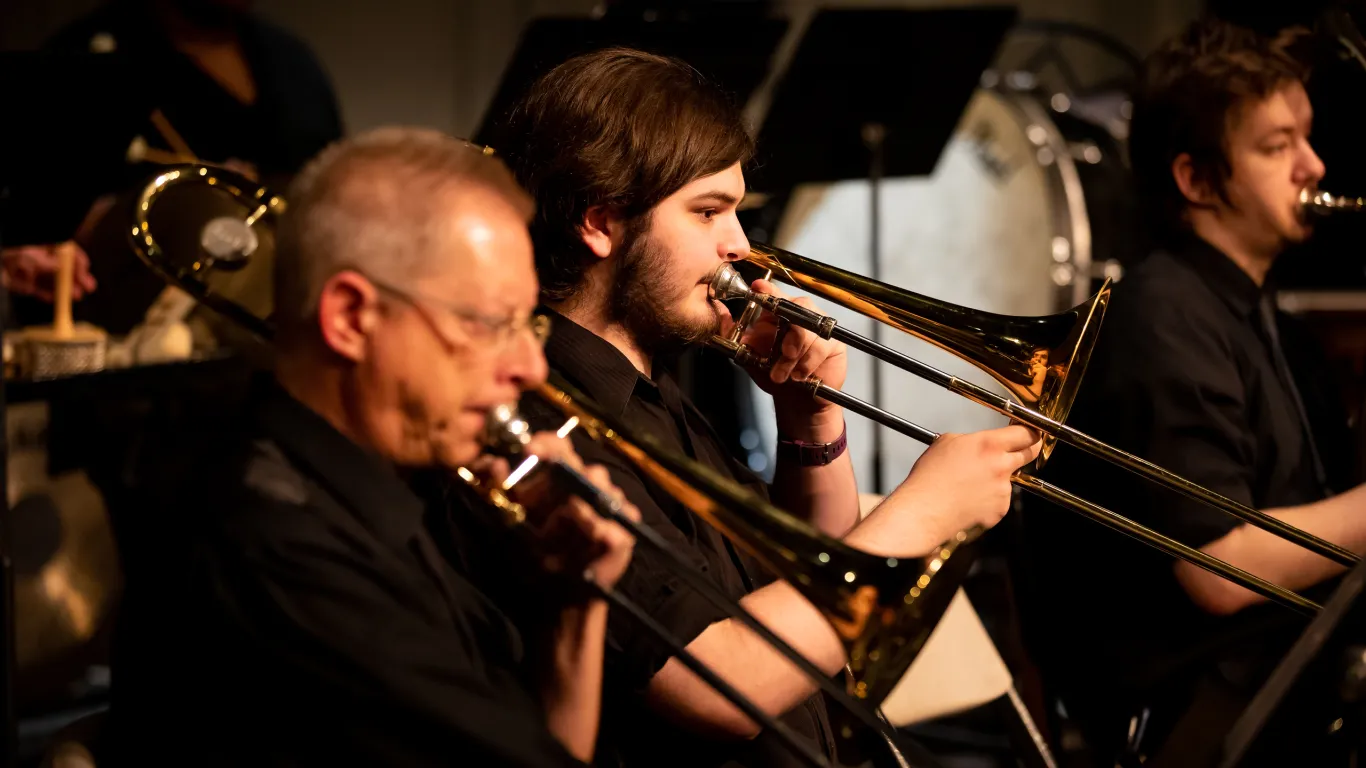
point(734, 245)
point(524, 363)
point(1311, 165)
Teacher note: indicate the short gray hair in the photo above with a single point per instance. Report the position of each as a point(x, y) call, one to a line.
point(377, 202)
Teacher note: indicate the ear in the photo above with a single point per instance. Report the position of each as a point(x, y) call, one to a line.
point(348, 312)
point(600, 229)
point(1193, 188)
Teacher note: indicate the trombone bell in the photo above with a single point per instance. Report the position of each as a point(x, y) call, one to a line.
point(1039, 360)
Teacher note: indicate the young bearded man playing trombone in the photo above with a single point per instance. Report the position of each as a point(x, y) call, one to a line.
point(636, 165)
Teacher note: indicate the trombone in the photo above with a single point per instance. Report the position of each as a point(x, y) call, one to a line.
point(1324, 203)
point(882, 609)
point(1039, 360)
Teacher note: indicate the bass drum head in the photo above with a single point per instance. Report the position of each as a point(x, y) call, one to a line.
point(1000, 226)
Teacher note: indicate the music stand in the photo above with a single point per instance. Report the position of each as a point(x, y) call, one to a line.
point(872, 93)
point(1243, 735)
point(734, 54)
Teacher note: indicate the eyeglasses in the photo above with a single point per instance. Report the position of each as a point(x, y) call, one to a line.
point(496, 332)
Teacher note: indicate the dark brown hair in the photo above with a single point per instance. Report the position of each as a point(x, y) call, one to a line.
point(1192, 92)
point(618, 128)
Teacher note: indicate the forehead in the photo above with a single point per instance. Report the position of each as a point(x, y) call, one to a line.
point(1287, 107)
point(730, 181)
point(490, 260)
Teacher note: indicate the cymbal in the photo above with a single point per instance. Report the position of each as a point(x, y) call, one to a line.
point(67, 577)
point(66, 568)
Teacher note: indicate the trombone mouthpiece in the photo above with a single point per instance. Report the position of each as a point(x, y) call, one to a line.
point(727, 284)
point(1321, 202)
point(505, 431)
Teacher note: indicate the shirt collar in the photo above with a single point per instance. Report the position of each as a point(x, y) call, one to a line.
point(358, 478)
point(592, 364)
point(1223, 275)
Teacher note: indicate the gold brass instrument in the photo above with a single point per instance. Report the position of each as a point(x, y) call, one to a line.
point(882, 609)
point(507, 434)
point(1323, 203)
point(1031, 350)
point(1039, 360)
point(226, 263)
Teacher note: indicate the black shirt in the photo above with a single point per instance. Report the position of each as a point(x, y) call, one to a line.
point(631, 734)
point(301, 613)
point(1183, 375)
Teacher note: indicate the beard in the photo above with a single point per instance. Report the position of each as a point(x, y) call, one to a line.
point(649, 308)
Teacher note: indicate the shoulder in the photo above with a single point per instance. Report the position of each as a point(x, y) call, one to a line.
point(1163, 307)
point(258, 507)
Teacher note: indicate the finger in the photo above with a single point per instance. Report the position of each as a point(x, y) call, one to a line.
point(727, 324)
point(602, 479)
point(549, 447)
point(1015, 437)
point(766, 287)
point(795, 343)
point(613, 538)
point(494, 468)
point(1025, 455)
point(815, 356)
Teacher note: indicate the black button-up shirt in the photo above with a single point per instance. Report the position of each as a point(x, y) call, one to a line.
point(631, 733)
point(1183, 375)
point(300, 612)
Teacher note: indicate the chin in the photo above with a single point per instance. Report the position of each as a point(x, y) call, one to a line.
point(459, 454)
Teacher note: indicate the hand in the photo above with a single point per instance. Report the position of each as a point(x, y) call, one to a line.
point(959, 482)
point(570, 536)
point(32, 270)
point(802, 355)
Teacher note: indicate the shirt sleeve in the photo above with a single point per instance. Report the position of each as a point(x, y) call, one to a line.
point(1173, 393)
point(415, 692)
point(651, 581)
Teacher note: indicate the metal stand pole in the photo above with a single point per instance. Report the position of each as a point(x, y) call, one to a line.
point(874, 135)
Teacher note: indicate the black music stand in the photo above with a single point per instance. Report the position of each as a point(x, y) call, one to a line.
point(734, 54)
point(872, 93)
point(1328, 625)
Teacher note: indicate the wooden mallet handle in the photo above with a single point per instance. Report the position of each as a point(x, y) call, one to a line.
point(66, 266)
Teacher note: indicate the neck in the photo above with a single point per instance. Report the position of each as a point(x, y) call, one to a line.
point(594, 316)
point(1252, 261)
point(319, 387)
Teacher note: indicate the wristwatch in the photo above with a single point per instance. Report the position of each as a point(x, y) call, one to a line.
point(813, 454)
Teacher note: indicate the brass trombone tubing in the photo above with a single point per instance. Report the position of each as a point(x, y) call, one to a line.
point(826, 327)
point(610, 509)
point(1099, 514)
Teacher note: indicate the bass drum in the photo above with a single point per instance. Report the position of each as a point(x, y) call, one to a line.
point(1028, 209)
